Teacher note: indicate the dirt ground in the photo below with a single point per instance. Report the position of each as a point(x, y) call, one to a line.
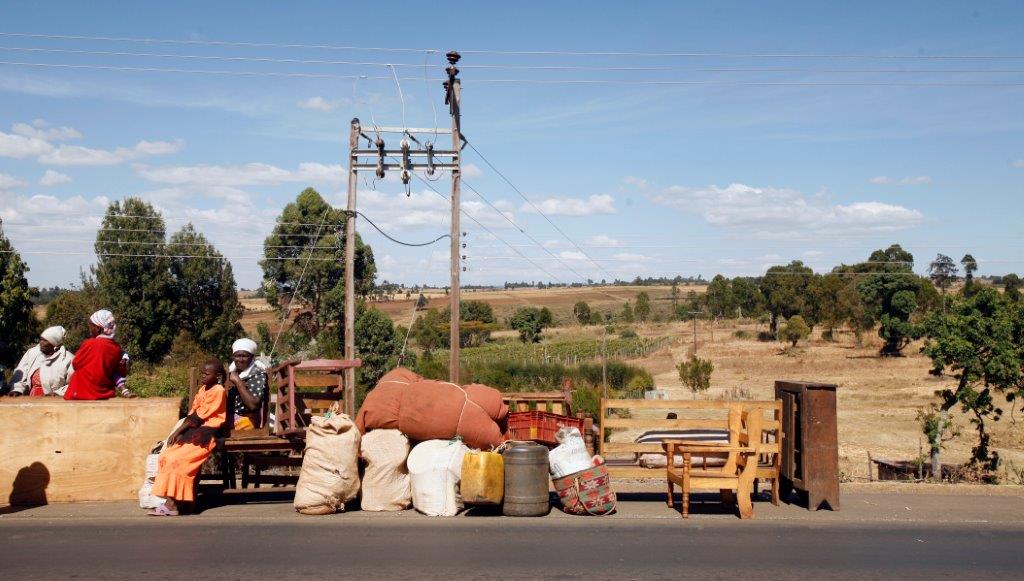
point(878, 397)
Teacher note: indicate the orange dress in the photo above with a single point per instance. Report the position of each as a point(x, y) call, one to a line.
point(180, 463)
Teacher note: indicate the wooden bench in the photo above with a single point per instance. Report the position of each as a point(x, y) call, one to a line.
point(693, 414)
point(296, 391)
point(734, 481)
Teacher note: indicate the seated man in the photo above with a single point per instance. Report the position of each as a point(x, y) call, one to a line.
point(45, 368)
point(247, 386)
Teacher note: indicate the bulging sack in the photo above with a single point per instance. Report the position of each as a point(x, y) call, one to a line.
point(386, 483)
point(587, 492)
point(146, 498)
point(435, 467)
point(571, 455)
point(330, 466)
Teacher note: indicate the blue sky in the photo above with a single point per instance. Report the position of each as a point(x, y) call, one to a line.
point(728, 176)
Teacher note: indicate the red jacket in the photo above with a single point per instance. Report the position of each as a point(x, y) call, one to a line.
point(96, 364)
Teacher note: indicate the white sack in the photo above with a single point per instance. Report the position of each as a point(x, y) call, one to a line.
point(435, 467)
point(570, 456)
point(386, 482)
point(330, 466)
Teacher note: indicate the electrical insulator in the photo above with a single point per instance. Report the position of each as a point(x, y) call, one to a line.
point(463, 244)
point(430, 158)
point(463, 269)
point(406, 174)
point(380, 158)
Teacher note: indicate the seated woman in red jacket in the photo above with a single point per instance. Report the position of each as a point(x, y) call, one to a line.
point(99, 363)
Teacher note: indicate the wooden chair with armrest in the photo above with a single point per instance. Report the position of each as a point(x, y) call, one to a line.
point(734, 480)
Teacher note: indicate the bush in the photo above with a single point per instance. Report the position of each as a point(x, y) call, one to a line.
point(828, 335)
point(741, 334)
point(794, 330)
point(628, 334)
point(765, 337)
point(640, 383)
point(696, 373)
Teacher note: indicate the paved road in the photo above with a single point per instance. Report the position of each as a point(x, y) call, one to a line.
point(504, 548)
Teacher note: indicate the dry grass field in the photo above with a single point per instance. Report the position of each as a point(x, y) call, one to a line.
point(878, 397)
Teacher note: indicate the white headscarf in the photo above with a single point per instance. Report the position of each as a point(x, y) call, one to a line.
point(104, 319)
point(246, 345)
point(54, 335)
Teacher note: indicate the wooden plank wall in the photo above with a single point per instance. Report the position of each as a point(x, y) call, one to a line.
point(62, 451)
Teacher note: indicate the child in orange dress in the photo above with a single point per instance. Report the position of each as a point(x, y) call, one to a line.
point(192, 443)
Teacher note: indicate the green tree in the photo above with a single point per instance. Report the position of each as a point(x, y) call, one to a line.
point(890, 291)
point(696, 373)
point(943, 272)
point(674, 294)
point(837, 302)
point(377, 344)
point(476, 322)
point(642, 311)
point(132, 271)
point(787, 290)
point(979, 341)
point(18, 324)
point(626, 314)
point(581, 310)
point(720, 299)
point(430, 330)
point(970, 267)
point(1011, 287)
point(795, 330)
point(308, 243)
point(71, 309)
point(530, 322)
point(748, 297)
point(421, 302)
point(205, 292)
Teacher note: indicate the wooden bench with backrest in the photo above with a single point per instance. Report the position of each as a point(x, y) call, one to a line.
point(644, 415)
point(734, 480)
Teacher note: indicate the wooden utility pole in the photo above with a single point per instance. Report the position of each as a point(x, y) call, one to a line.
point(406, 159)
point(350, 275)
point(454, 97)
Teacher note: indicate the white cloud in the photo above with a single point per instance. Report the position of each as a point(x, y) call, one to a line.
point(40, 129)
point(8, 182)
point(68, 155)
point(1019, 163)
point(813, 253)
point(572, 255)
point(471, 170)
point(602, 241)
point(636, 182)
point(770, 210)
point(243, 175)
point(320, 104)
point(632, 257)
point(54, 178)
point(596, 204)
point(20, 146)
point(906, 181)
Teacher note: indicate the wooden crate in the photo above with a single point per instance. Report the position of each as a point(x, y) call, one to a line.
point(72, 451)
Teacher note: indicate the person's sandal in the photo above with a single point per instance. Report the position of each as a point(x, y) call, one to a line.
point(162, 510)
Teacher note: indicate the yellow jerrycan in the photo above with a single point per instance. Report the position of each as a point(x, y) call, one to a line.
point(483, 478)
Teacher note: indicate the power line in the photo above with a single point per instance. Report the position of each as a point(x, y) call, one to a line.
point(581, 82)
point(277, 60)
point(646, 54)
point(534, 206)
